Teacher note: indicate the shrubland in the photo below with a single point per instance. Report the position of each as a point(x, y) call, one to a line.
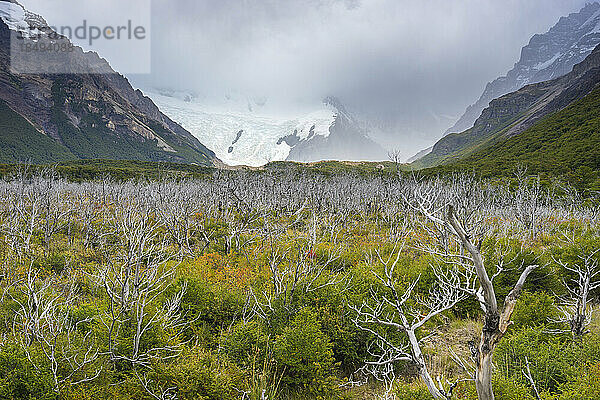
point(292, 284)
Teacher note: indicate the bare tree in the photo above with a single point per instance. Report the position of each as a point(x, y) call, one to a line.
point(527, 200)
point(43, 321)
point(395, 156)
point(436, 205)
point(294, 268)
point(22, 215)
point(575, 307)
point(496, 321)
point(403, 311)
point(135, 279)
point(136, 276)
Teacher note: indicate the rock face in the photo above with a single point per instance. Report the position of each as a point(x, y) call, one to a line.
point(547, 56)
point(513, 113)
point(346, 141)
point(86, 115)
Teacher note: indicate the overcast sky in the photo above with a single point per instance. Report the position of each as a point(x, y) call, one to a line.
point(417, 62)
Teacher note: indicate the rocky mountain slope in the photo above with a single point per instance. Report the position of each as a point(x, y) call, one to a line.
point(53, 117)
point(514, 113)
point(248, 131)
point(566, 142)
point(346, 141)
point(547, 56)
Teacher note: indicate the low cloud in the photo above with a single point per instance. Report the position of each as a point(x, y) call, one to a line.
point(407, 63)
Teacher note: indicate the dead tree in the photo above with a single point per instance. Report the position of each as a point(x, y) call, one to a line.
point(435, 204)
point(43, 321)
point(496, 321)
point(585, 279)
point(56, 210)
point(402, 311)
point(135, 279)
point(294, 268)
point(395, 156)
point(22, 216)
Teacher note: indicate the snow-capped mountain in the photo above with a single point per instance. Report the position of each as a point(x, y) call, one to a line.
point(547, 56)
point(247, 131)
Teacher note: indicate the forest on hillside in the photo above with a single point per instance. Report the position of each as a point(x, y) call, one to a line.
point(294, 284)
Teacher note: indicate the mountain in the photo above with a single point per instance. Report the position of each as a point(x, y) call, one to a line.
point(547, 56)
point(244, 130)
point(565, 142)
point(346, 140)
point(511, 115)
point(50, 117)
point(420, 155)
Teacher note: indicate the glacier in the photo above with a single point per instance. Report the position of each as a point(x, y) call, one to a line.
point(260, 131)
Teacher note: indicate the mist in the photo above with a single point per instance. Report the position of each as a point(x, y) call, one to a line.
point(410, 67)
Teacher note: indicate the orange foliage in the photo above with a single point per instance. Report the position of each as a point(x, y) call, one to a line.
point(216, 268)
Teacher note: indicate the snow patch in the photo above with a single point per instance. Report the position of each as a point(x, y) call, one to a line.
point(13, 16)
point(546, 64)
point(22, 21)
point(317, 122)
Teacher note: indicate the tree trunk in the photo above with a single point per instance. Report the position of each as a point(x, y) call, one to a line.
point(423, 372)
point(484, 355)
point(483, 377)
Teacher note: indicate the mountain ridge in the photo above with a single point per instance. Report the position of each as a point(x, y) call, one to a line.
point(546, 56)
point(514, 113)
point(87, 115)
point(566, 143)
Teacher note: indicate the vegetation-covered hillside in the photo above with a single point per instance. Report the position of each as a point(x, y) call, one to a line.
point(21, 142)
point(562, 142)
point(512, 114)
point(565, 143)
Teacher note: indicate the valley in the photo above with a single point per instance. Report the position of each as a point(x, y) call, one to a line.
point(166, 237)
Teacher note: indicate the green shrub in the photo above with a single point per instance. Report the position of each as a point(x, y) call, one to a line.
point(246, 343)
point(20, 380)
point(549, 358)
point(412, 391)
point(586, 386)
point(508, 389)
point(554, 361)
point(307, 356)
point(504, 389)
point(349, 344)
point(209, 308)
point(55, 262)
point(533, 309)
point(201, 375)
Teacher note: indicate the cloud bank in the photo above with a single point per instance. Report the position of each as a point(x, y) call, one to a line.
point(411, 65)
